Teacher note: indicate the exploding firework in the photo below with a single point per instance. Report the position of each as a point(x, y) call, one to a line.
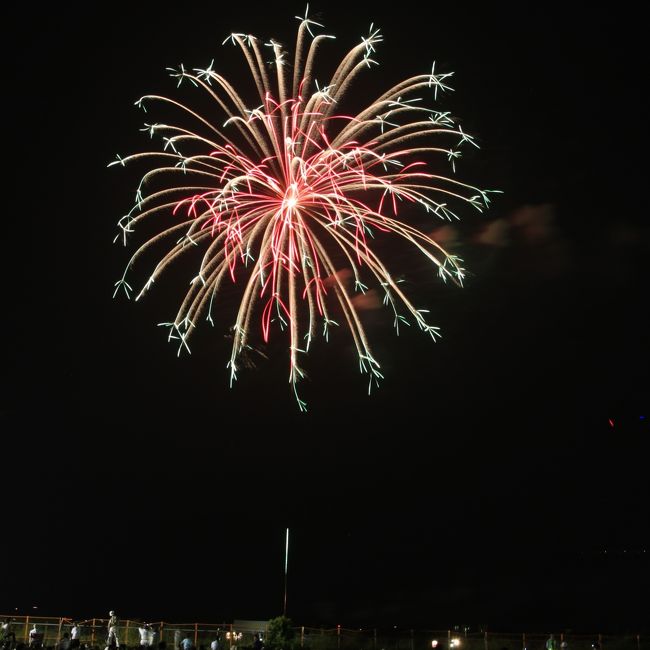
point(279, 197)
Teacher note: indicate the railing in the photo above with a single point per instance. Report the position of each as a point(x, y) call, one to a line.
point(94, 634)
point(346, 639)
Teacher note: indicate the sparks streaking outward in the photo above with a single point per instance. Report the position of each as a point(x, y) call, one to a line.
point(281, 195)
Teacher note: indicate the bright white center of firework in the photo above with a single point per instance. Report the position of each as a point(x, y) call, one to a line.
point(290, 199)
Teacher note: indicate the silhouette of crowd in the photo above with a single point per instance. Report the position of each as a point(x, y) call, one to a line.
point(78, 635)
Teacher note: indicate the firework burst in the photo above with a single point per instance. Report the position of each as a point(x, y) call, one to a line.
point(278, 196)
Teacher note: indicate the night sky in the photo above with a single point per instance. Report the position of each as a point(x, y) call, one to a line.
point(482, 483)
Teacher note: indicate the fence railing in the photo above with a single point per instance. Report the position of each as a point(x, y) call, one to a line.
point(346, 639)
point(94, 633)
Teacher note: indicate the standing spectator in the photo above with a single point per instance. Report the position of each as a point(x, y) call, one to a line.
point(75, 636)
point(177, 639)
point(215, 644)
point(35, 637)
point(257, 642)
point(112, 631)
point(551, 643)
point(64, 643)
point(186, 643)
point(145, 639)
point(7, 635)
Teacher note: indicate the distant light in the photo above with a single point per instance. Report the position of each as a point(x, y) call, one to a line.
point(455, 643)
point(611, 422)
point(641, 417)
point(434, 643)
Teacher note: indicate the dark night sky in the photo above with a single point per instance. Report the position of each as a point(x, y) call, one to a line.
point(481, 483)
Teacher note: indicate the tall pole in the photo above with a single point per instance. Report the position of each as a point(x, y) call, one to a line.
point(286, 567)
